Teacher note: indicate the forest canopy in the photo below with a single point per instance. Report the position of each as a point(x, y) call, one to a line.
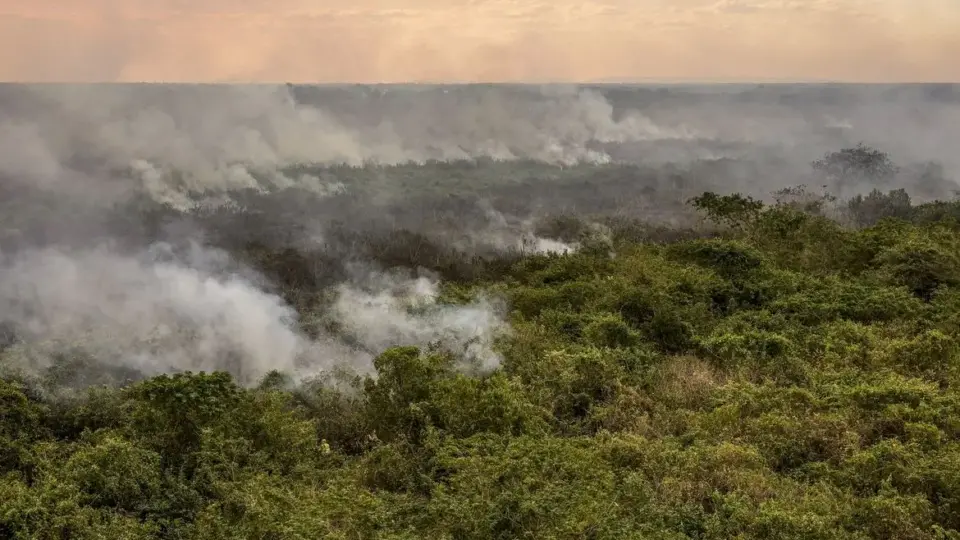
point(786, 369)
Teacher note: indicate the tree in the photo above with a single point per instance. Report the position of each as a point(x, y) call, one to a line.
point(861, 164)
point(732, 210)
point(867, 211)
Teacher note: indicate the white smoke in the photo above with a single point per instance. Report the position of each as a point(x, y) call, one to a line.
point(182, 143)
point(158, 314)
point(505, 234)
point(187, 191)
point(386, 309)
point(146, 314)
point(192, 147)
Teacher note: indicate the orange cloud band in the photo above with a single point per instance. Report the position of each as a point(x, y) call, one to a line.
point(479, 40)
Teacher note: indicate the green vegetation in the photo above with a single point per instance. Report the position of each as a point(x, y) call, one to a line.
point(776, 373)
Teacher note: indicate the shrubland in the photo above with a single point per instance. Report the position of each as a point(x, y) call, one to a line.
point(763, 369)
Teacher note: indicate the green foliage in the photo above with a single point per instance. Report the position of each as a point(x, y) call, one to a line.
point(785, 377)
point(115, 473)
point(174, 410)
point(398, 402)
point(876, 205)
point(730, 259)
point(921, 266)
point(525, 488)
point(610, 331)
point(731, 210)
point(21, 425)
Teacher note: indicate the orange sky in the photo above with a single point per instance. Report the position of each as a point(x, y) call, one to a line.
point(478, 40)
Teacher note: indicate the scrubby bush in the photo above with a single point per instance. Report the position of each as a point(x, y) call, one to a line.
point(779, 376)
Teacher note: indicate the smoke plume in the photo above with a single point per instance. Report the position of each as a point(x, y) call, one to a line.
point(116, 200)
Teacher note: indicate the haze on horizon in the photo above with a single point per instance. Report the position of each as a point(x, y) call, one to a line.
point(386, 41)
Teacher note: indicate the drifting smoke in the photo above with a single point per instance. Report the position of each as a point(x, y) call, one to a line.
point(211, 188)
point(71, 154)
point(185, 142)
point(156, 316)
point(181, 143)
point(504, 233)
point(148, 315)
point(382, 310)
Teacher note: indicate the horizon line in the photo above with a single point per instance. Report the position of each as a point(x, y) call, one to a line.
point(604, 82)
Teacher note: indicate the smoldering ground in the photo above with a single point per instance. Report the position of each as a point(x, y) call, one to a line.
point(158, 228)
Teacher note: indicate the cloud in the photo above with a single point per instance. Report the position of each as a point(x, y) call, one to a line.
point(465, 40)
point(772, 6)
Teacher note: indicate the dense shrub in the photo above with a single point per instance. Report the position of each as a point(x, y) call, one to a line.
point(782, 376)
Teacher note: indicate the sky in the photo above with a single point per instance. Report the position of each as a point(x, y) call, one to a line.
point(384, 41)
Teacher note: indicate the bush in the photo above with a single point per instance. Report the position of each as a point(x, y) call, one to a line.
point(781, 376)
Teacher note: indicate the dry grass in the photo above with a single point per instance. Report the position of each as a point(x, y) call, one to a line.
point(686, 382)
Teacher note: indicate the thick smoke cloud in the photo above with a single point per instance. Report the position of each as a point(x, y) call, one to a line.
point(149, 315)
point(80, 282)
point(155, 313)
point(217, 138)
point(212, 139)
